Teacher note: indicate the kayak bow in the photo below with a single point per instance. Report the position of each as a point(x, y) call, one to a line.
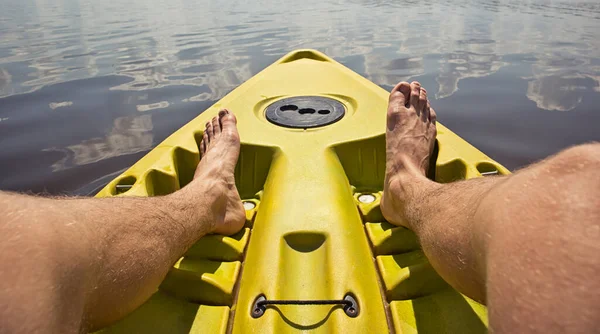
point(316, 252)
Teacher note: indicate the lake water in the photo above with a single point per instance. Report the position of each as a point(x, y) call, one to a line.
point(88, 87)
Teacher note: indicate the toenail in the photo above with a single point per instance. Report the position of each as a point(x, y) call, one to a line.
point(222, 113)
point(207, 124)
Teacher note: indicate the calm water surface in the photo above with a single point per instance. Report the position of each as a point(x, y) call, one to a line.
point(88, 87)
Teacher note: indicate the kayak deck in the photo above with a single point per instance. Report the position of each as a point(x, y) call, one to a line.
point(314, 230)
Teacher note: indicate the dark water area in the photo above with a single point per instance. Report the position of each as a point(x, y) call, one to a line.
point(88, 87)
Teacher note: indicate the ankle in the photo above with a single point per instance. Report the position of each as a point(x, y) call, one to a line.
point(404, 193)
point(406, 183)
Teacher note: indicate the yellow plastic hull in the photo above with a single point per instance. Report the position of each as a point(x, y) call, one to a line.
point(309, 237)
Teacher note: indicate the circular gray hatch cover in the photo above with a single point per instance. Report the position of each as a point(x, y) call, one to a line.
point(305, 112)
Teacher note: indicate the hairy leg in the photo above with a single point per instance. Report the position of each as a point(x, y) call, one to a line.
point(80, 264)
point(526, 244)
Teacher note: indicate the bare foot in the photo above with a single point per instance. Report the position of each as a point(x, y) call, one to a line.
point(220, 149)
point(410, 139)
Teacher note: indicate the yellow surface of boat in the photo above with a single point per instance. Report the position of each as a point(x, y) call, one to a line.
point(311, 233)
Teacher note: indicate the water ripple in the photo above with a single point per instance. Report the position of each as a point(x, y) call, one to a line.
point(99, 77)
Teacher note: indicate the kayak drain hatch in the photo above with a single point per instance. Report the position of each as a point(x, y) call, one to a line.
point(349, 304)
point(303, 112)
point(248, 205)
point(366, 198)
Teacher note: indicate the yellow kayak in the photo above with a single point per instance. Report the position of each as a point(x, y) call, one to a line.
point(316, 253)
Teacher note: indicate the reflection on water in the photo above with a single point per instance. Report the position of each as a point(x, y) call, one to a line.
point(54, 105)
point(88, 87)
point(129, 135)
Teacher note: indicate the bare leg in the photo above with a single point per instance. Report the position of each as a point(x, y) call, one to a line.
point(79, 264)
point(526, 244)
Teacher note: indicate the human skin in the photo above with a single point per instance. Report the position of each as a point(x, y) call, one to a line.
point(527, 245)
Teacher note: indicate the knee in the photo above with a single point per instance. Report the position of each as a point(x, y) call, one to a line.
point(579, 163)
point(577, 159)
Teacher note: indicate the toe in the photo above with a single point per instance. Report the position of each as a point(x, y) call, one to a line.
point(405, 89)
point(216, 126)
point(224, 116)
point(229, 127)
point(205, 140)
point(432, 114)
point(423, 105)
point(228, 121)
point(209, 131)
point(400, 93)
point(393, 119)
point(203, 145)
point(415, 95)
